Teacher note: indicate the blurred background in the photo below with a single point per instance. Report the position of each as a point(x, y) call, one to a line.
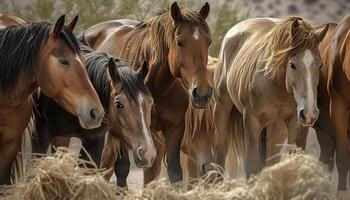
point(224, 13)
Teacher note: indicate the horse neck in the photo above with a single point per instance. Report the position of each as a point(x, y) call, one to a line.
point(160, 79)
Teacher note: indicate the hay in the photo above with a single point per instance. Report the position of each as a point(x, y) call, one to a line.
point(59, 176)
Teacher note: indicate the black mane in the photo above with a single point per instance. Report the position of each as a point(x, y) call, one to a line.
point(20, 46)
point(96, 66)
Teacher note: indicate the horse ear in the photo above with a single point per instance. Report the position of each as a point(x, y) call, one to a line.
point(321, 32)
point(56, 31)
point(143, 71)
point(175, 12)
point(112, 69)
point(204, 11)
point(295, 26)
point(73, 23)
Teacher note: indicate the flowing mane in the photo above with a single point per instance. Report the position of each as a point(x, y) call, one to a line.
point(20, 46)
point(269, 52)
point(280, 43)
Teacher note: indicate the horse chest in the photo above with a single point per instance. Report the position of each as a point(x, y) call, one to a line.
point(270, 101)
point(341, 84)
point(170, 109)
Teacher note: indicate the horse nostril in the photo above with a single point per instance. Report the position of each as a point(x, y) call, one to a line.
point(302, 115)
point(140, 153)
point(195, 92)
point(93, 113)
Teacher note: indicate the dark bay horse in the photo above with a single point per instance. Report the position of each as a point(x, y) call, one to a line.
point(44, 55)
point(127, 104)
point(267, 73)
point(334, 99)
point(175, 42)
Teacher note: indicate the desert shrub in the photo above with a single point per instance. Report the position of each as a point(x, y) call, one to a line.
point(91, 12)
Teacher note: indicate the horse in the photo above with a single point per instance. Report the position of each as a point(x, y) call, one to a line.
point(333, 125)
point(175, 42)
point(197, 145)
point(127, 103)
point(267, 73)
point(198, 141)
point(45, 55)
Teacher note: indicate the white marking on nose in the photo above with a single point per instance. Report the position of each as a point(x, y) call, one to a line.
point(308, 60)
point(196, 33)
point(150, 151)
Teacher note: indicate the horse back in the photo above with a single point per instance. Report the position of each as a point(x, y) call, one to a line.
point(8, 20)
point(97, 34)
point(233, 42)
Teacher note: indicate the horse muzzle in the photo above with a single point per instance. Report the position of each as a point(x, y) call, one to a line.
point(308, 119)
point(90, 118)
point(198, 100)
point(144, 156)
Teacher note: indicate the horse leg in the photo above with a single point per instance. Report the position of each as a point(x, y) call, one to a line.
point(10, 139)
point(327, 149)
point(252, 130)
point(173, 139)
point(339, 121)
point(222, 119)
point(122, 168)
point(94, 148)
point(276, 135)
point(153, 172)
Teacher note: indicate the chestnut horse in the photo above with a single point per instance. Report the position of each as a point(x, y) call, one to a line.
point(267, 73)
point(41, 55)
point(126, 101)
point(175, 42)
point(334, 99)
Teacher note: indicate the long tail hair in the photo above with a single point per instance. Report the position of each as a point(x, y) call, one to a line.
point(236, 145)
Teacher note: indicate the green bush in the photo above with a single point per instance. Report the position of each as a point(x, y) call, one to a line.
point(94, 11)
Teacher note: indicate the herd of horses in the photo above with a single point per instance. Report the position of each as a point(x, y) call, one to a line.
point(148, 91)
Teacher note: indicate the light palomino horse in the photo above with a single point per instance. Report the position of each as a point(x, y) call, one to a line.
point(334, 99)
point(267, 73)
point(175, 42)
point(44, 55)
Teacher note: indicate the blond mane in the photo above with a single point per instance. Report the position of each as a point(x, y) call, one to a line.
point(269, 52)
point(280, 43)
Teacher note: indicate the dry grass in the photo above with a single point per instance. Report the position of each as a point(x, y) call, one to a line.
point(59, 176)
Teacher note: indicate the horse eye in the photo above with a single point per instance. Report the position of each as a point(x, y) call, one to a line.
point(292, 65)
point(63, 61)
point(119, 105)
point(180, 44)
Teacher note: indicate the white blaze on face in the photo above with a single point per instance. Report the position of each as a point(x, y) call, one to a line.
point(196, 33)
point(150, 151)
point(308, 59)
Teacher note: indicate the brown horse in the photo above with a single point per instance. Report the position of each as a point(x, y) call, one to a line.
point(334, 99)
point(40, 55)
point(267, 72)
point(175, 42)
point(198, 142)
